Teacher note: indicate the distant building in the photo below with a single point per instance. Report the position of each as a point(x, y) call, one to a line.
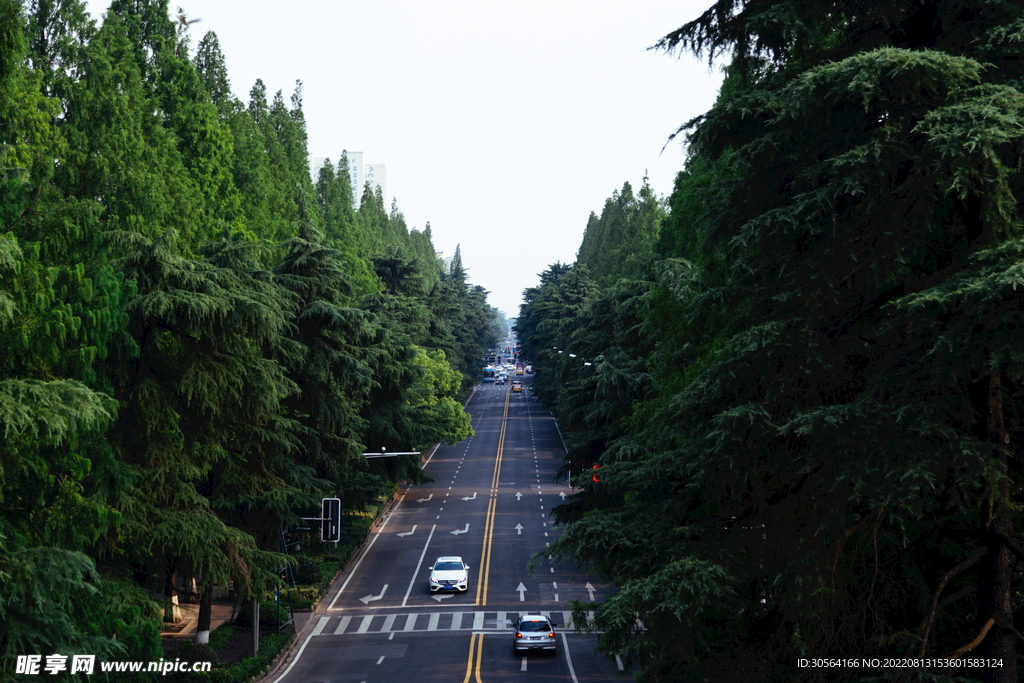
point(362, 173)
point(377, 174)
point(315, 164)
point(359, 173)
point(356, 175)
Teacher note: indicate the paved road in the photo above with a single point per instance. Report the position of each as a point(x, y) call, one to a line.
point(490, 504)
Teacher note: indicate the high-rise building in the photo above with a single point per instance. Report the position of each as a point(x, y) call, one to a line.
point(315, 164)
point(376, 174)
point(359, 173)
point(356, 175)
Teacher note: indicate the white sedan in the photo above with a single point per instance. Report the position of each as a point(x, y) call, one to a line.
point(449, 574)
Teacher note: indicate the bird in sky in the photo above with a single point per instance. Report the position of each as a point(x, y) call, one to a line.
point(185, 22)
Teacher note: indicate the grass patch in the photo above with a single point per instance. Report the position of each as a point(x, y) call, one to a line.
point(330, 566)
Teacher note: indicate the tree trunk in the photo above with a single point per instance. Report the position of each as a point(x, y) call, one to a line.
point(205, 606)
point(995, 584)
point(255, 627)
point(172, 612)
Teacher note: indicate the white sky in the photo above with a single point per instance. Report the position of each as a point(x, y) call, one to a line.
point(502, 124)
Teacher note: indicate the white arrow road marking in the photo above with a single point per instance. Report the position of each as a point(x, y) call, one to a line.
point(471, 498)
point(370, 598)
point(562, 494)
point(407, 533)
point(522, 592)
point(461, 531)
point(441, 596)
point(424, 500)
point(519, 496)
point(590, 589)
point(519, 529)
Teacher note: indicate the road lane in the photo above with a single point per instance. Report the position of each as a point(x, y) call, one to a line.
point(499, 483)
point(440, 512)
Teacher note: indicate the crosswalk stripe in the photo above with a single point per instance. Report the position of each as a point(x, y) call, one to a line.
point(480, 621)
point(456, 622)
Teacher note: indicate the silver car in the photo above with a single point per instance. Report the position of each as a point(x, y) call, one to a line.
point(533, 632)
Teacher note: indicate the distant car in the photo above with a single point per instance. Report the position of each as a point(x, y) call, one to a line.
point(519, 370)
point(500, 379)
point(533, 632)
point(449, 574)
point(517, 386)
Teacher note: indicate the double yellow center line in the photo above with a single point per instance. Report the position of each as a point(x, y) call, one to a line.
point(476, 641)
point(485, 553)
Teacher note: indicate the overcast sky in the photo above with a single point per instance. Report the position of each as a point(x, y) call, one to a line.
point(503, 125)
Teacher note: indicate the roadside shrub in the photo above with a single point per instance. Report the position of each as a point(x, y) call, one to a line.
point(308, 572)
point(222, 635)
point(270, 647)
point(268, 615)
point(191, 653)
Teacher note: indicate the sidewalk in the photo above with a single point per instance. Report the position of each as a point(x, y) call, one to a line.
point(220, 613)
point(185, 630)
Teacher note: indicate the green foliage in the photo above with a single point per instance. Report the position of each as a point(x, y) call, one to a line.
point(436, 412)
point(271, 645)
point(308, 571)
point(338, 222)
point(324, 353)
point(222, 635)
point(271, 614)
point(172, 389)
point(212, 71)
point(831, 387)
point(615, 244)
point(44, 591)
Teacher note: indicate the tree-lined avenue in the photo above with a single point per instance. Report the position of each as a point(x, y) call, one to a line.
point(512, 458)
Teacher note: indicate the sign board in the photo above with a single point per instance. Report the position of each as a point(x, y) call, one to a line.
point(330, 525)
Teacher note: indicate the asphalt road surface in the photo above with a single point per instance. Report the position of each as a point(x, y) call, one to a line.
point(490, 504)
